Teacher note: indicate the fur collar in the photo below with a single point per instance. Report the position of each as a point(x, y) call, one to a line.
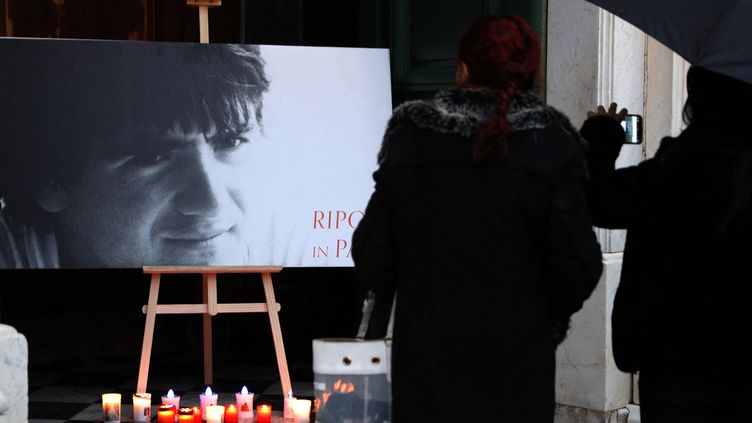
point(462, 111)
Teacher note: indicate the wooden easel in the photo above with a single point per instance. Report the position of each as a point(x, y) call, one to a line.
point(203, 16)
point(209, 308)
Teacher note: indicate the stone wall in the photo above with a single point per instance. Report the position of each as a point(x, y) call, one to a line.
point(595, 58)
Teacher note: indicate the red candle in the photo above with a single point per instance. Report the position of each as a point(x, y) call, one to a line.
point(231, 414)
point(197, 417)
point(185, 415)
point(264, 414)
point(166, 413)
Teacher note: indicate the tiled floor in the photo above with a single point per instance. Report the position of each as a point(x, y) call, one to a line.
point(74, 395)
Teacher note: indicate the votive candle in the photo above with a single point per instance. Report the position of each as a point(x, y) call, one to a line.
point(166, 413)
point(111, 408)
point(197, 415)
point(302, 410)
point(244, 401)
point(231, 414)
point(214, 413)
point(171, 398)
point(142, 407)
point(207, 398)
point(264, 413)
point(186, 415)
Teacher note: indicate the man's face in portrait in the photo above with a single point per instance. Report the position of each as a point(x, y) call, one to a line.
point(176, 198)
point(136, 154)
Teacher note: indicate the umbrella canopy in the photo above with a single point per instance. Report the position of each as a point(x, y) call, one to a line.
point(714, 34)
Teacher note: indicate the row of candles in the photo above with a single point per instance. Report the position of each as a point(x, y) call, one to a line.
point(298, 410)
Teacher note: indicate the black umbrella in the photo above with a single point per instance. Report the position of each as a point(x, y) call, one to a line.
point(714, 34)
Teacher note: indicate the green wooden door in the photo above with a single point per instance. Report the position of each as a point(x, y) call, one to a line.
point(423, 35)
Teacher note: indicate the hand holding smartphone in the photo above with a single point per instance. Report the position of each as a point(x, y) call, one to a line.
point(632, 125)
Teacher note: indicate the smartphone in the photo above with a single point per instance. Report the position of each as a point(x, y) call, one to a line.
point(632, 125)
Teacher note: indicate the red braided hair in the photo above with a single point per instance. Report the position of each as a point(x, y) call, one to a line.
point(501, 53)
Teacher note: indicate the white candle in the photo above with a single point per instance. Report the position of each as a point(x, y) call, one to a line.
point(302, 410)
point(244, 400)
point(207, 398)
point(288, 412)
point(142, 407)
point(111, 408)
point(171, 399)
point(214, 413)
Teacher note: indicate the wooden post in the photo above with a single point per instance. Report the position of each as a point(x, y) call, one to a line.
point(207, 320)
point(208, 308)
point(8, 22)
point(203, 16)
point(279, 346)
point(151, 315)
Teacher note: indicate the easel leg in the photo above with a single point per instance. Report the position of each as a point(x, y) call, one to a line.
point(151, 314)
point(210, 296)
point(279, 346)
point(203, 23)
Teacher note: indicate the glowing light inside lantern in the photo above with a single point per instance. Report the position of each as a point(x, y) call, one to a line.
point(343, 387)
point(339, 387)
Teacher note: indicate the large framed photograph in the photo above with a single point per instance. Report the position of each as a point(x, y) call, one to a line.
point(125, 154)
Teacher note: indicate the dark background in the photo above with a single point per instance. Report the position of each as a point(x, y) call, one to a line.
point(71, 316)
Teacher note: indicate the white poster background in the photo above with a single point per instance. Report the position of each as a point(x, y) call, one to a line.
point(324, 118)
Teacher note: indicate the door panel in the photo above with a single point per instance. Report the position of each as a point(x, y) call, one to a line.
point(424, 34)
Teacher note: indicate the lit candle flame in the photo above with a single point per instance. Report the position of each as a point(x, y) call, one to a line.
point(208, 391)
point(244, 391)
point(170, 394)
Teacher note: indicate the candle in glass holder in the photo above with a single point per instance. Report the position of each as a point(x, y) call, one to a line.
point(244, 401)
point(185, 415)
point(214, 413)
point(166, 413)
point(207, 398)
point(302, 410)
point(142, 407)
point(171, 398)
point(231, 414)
point(111, 408)
point(264, 413)
point(197, 416)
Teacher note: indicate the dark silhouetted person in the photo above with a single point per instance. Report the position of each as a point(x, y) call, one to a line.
point(681, 314)
point(480, 223)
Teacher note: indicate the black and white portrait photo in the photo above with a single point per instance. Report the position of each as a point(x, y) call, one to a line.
point(125, 154)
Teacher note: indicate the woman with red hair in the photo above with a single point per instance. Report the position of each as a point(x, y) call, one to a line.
point(480, 224)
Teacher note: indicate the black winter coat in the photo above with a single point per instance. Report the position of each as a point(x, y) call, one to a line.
point(490, 260)
point(682, 305)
